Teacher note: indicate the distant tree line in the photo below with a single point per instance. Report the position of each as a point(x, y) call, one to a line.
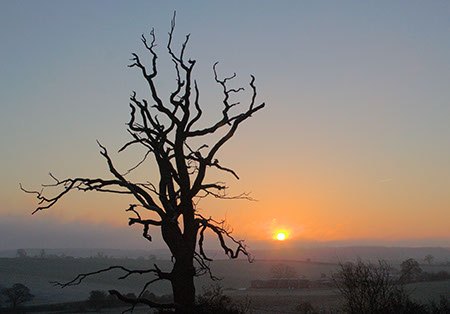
point(22, 253)
point(410, 271)
point(282, 271)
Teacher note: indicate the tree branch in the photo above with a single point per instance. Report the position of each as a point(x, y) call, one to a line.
point(142, 301)
point(78, 279)
point(221, 232)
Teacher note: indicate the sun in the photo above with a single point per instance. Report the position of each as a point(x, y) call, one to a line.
point(281, 236)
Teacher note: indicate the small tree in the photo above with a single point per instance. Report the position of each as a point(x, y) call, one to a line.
point(429, 259)
point(184, 151)
point(97, 299)
point(410, 270)
point(17, 294)
point(21, 253)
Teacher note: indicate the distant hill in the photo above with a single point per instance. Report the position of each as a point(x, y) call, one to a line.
point(337, 254)
point(316, 254)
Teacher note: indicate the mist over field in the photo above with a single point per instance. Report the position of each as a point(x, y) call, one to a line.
point(331, 254)
point(38, 267)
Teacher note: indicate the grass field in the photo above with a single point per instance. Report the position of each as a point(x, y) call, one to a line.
point(36, 274)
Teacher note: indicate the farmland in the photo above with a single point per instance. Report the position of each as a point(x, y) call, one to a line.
point(36, 273)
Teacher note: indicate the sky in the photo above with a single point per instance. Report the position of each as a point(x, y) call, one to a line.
point(352, 147)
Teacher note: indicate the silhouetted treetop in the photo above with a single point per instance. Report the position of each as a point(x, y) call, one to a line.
point(169, 131)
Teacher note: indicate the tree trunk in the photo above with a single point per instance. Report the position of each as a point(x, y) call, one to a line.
point(183, 285)
point(182, 247)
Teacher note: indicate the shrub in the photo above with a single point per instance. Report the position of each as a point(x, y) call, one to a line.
point(214, 301)
point(371, 288)
point(97, 299)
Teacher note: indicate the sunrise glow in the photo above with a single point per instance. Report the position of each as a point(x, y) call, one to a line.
point(351, 148)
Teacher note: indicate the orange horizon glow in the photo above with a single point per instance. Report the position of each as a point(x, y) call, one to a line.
point(253, 221)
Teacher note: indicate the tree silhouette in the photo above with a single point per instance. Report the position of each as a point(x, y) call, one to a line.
point(429, 259)
point(168, 130)
point(97, 299)
point(410, 270)
point(21, 253)
point(17, 294)
point(370, 288)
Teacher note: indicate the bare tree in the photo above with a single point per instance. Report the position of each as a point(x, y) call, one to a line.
point(372, 289)
point(168, 130)
point(369, 288)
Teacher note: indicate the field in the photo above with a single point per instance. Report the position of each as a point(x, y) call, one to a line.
point(36, 273)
